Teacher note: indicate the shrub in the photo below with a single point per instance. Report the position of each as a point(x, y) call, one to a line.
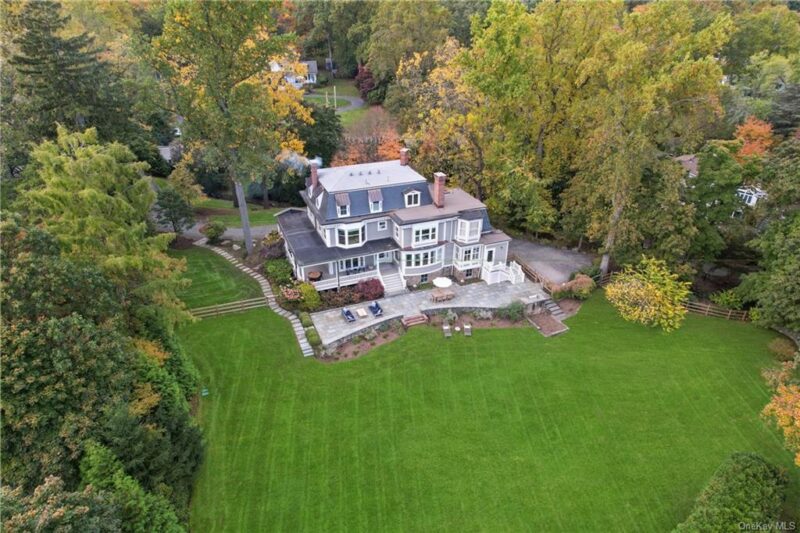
point(344, 296)
point(783, 348)
point(305, 320)
point(272, 246)
point(311, 298)
point(483, 314)
point(313, 337)
point(450, 316)
point(370, 289)
point(649, 294)
point(278, 271)
point(591, 271)
point(744, 489)
point(214, 231)
point(514, 312)
point(730, 299)
point(580, 287)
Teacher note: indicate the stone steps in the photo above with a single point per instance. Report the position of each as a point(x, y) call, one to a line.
point(556, 311)
point(414, 320)
point(393, 284)
point(297, 328)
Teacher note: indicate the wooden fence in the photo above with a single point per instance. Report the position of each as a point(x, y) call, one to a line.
point(707, 309)
point(701, 308)
point(232, 307)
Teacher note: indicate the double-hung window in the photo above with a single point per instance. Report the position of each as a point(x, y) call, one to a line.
point(468, 230)
point(412, 198)
point(348, 237)
point(376, 207)
point(425, 235)
point(344, 210)
point(382, 225)
point(421, 259)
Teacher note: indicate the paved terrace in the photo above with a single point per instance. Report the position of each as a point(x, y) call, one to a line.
point(333, 328)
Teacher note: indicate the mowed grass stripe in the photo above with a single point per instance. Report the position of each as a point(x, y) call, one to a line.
point(610, 427)
point(214, 280)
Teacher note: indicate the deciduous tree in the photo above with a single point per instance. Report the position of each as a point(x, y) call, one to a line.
point(216, 57)
point(649, 294)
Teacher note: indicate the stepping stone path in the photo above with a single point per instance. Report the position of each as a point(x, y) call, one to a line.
point(297, 327)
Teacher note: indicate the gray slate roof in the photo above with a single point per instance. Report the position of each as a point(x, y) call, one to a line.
point(368, 176)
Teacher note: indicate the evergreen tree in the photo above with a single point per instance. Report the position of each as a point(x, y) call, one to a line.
point(174, 210)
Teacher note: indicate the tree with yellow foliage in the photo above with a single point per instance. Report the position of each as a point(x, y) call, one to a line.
point(650, 294)
point(216, 58)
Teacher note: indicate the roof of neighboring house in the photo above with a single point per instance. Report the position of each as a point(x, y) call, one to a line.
point(368, 176)
point(166, 153)
point(308, 247)
point(312, 66)
point(690, 162)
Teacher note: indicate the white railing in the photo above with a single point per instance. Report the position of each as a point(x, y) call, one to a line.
point(499, 272)
point(463, 265)
point(352, 279)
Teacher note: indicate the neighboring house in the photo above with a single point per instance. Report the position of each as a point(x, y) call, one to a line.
point(307, 76)
point(384, 220)
point(750, 195)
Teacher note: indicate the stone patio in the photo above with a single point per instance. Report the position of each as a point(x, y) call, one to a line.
point(333, 329)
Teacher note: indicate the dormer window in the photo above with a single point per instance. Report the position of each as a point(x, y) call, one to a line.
point(412, 198)
point(342, 204)
point(375, 200)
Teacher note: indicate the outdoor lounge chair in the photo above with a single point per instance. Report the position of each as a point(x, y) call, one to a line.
point(375, 309)
point(468, 330)
point(348, 315)
point(446, 330)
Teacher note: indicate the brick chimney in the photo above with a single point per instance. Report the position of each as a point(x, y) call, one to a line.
point(314, 175)
point(438, 188)
point(404, 156)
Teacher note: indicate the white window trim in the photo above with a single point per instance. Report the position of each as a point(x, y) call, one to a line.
point(469, 231)
point(383, 225)
point(362, 232)
point(434, 227)
point(339, 211)
point(409, 194)
point(476, 256)
point(436, 255)
point(319, 201)
point(359, 260)
point(380, 207)
point(398, 234)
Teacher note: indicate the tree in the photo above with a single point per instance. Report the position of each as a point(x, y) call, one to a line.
point(776, 287)
point(95, 200)
point(58, 376)
point(784, 406)
point(649, 294)
point(657, 88)
point(174, 210)
point(785, 112)
point(773, 29)
point(461, 14)
point(713, 194)
point(781, 176)
point(324, 137)
point(52, 508)
point(140, 511)
point(755, 136)
point(215, 56)
point(400, 29)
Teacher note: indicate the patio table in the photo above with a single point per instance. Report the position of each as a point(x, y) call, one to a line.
point(442, 282)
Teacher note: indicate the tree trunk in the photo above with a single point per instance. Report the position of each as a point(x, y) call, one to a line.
point(244, 215)
point(235, 197)
point(611, 237)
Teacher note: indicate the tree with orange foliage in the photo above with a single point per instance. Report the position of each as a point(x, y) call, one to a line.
point(784, 407)
point(756, 137)
point(383, 145)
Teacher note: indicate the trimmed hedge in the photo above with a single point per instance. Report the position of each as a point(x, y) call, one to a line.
point(313, 337)
point(745, 489)
point(305, 320)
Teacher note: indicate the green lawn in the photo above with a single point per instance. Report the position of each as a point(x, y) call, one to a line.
point(344, 87)
point(230, 217)
point(320, 99)
point(214, 280)
point(610, 427)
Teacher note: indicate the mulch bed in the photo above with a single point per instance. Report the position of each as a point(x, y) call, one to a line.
point(438, 320)
point(351, 350)
point(570, 306)
point(547, 325)
point(181, 243)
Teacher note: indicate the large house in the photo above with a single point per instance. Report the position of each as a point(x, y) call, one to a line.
point(385, 220)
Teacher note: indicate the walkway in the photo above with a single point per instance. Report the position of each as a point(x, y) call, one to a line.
point(332, 327)
point(354, 104)
point(233, 234)
point(299, 332)
point(554, 264)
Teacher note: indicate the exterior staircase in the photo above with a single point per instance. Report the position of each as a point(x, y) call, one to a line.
point(414, 320)
point(554, 310)
point(392, 281)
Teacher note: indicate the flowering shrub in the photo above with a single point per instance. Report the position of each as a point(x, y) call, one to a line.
point(581, 288)
point(291, 294)
point(370, 289)
point(344, 296)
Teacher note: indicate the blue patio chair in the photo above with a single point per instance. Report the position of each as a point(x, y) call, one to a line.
point(375, 309)
point(348, 315)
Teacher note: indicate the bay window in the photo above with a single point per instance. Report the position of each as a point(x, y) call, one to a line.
point(350, 236)
point(421, 259)
point(468, 230)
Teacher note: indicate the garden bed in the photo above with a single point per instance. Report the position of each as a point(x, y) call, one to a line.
point(363, 343)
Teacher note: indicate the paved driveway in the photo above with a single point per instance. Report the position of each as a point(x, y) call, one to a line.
point(553, 263)
point(234, 234)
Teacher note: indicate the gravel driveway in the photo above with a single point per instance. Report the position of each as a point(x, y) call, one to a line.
point(555, 264)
